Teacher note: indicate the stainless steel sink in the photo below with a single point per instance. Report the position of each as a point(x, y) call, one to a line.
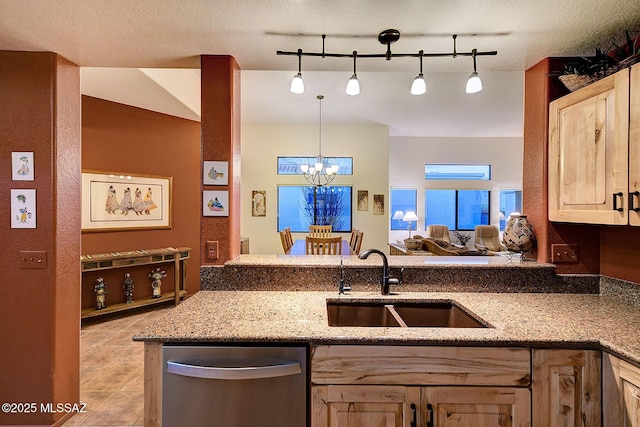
point(424, 314)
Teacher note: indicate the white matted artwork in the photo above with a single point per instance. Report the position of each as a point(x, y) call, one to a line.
point(120, 201)
point(215, 173)
point(215, 203)
point(22, 166)
point(23, 208)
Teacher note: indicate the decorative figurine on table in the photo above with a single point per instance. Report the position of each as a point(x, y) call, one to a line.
point(127, 286)
point(101, 293)
point(156, 284)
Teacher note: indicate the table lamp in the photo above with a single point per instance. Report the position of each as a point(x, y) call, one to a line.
point(409, 217)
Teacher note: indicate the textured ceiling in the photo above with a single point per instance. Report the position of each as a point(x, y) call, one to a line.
point(172, 34)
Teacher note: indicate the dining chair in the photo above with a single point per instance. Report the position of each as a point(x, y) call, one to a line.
point(352, 239)
point(320, 230)
point(288, 236)
point(324, 245)
point(357, 242)
point(286, 239)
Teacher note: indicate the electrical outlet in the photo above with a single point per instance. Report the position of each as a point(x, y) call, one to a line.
point(33, 259)
point(563, 253)
point(212, 249)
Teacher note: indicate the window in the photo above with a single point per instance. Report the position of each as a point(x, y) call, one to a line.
point(441, 172)
point(291, 165)
point(402, 200)
point(510, 201)
point(302, 205)
point(457, 209)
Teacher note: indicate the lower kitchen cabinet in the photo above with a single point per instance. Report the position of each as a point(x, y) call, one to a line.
point(621, 393)
point(476, 406)
point(405, 406)
point(406, 386)
point(364, 406)
point(566, 388)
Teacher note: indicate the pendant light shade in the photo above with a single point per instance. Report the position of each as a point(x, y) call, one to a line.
point(353, 85)
point(419, 86)
point(297, 84)
point(474, 84)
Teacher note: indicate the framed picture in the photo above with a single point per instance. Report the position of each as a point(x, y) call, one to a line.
point(22, 166)
point(122, 201)
point(23, 208)
point(259, 203)
point(378, 204)
point(215, 203)
point(363, 200)
point(215, 173)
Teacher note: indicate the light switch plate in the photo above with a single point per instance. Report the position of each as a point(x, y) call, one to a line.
point(563, 253)
point(33, 259)
point(212, 249)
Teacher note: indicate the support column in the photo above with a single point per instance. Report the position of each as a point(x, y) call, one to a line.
point(40, 308)
point(540, 89)
point(221, 142)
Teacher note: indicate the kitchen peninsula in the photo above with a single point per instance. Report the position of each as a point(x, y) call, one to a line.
point(533, 338)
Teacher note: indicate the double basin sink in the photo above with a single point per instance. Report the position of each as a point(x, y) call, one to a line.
point(420, 314)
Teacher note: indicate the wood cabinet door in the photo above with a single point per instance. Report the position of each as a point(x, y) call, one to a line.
point(364, 406)
point(476, 406)
point(588, 153)
point(566, 388)
point(621, 388)
point(634, 147)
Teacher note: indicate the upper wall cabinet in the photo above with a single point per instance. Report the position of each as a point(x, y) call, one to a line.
point(634, 148)
point(593, 161)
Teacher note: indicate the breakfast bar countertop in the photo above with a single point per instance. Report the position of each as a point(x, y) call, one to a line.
point(590, 321)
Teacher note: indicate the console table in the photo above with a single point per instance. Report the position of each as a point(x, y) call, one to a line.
point(121, 260)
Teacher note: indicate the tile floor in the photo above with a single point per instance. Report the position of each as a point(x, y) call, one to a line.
point(111, 371)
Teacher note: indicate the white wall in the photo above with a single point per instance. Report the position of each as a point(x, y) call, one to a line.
point(408, 155)
point(262, 144)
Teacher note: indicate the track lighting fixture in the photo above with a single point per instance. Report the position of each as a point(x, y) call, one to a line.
point(474, 84)
point(387, 37)
point(353, 85)
point(297, 84)
point(419, 86)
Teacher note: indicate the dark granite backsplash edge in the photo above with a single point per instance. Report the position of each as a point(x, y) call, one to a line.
point(367, 279)
point(629, 292)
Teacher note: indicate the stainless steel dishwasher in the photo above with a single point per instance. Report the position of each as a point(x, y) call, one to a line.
point(234, 386)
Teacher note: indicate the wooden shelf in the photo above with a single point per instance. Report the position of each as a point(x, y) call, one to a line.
point(115, 308)
point(107, 261)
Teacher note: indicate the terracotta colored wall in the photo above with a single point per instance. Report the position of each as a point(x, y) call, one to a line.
point(122, 138)
point(540, 89)
point(221, 142)
point(39, 308)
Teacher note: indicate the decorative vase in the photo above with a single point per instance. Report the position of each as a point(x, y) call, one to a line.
point(518, 234)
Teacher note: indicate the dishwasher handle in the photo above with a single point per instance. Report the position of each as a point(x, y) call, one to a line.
point(268, 370)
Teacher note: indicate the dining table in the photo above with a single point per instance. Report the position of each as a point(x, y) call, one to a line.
point(299, 248)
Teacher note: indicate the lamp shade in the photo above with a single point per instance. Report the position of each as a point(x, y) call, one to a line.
point(410, 216)
point(474, 84)
point(353, 86)
point(297, 84)
point(419, 86)
point(398, 215)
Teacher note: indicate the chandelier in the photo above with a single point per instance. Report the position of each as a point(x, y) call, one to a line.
point(320, 173)
point(387, 37)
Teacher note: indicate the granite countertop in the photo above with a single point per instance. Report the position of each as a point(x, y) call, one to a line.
point(589, 321)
